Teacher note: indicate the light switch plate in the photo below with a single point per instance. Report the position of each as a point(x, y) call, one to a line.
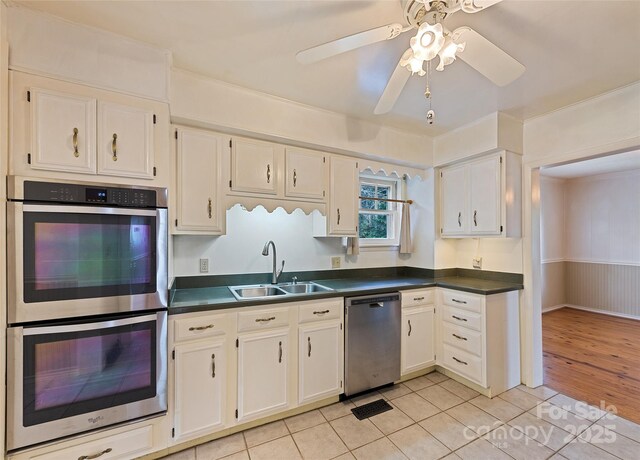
point(335, 262)
point(477, 263)
point(204, 265)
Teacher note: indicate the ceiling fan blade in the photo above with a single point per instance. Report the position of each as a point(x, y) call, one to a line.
point(392, 91)
point(349, 43)
point(473, 6)
point(487, 58)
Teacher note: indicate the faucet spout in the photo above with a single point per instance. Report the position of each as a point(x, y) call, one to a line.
point(265, 252)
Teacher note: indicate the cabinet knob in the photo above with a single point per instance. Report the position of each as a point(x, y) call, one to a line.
point(114, 147)
point(75, 143)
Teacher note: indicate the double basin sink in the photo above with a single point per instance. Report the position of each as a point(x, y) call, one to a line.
point(263, 291)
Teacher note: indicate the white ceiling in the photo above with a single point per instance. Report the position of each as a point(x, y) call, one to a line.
point(613, 163)
point(572, 49)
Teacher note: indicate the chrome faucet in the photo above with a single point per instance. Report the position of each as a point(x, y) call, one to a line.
point(265, 252)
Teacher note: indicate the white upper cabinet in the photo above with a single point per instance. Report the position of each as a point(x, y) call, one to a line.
point(254, 166)
point(63, 131)
point(125, 141)
point(305, 175)
point(344, 189)
point(482, 197)
point(199, 198)
point(453, 199)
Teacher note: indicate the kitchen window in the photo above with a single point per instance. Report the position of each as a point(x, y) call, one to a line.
point(378, 221)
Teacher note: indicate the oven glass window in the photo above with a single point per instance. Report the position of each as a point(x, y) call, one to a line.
point(73, 256)
point(72, 373)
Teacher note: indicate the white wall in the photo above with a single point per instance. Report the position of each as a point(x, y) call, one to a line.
point(603, 218)
point(552, 217)
point(239, 251)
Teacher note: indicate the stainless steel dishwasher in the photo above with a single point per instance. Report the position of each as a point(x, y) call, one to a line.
point(372, 341)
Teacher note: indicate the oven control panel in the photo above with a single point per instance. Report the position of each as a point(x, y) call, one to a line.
point(85, 194)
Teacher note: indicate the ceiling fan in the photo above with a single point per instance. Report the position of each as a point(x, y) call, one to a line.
point(431, 40)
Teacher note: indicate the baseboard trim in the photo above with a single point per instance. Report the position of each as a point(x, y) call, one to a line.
point(552, 308)
point(602, 312)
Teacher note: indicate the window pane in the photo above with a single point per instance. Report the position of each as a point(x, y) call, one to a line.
point(368, 191)
point(383, 192)
point(373, 225)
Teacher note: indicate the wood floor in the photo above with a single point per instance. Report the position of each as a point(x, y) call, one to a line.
point(593, 358)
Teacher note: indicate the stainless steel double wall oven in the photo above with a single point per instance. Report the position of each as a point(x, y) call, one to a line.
point(87, 300)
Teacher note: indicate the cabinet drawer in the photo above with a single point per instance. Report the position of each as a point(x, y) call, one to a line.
point(462, 300)
point(129, 444)
point(263, 319)
point(462, 337)
point(461, 317)
point(422, 297)
point(200, 326)
point(463, 363)
point(319, 311)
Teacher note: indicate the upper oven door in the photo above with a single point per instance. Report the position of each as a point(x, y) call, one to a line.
point(71, 261)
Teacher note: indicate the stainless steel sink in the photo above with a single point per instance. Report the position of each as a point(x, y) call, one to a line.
point(304, 288)
point(269, 291)
point(255, 292)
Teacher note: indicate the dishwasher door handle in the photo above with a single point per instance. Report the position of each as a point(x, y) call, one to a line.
point(376, 305)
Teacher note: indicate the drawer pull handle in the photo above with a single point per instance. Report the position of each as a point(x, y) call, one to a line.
point(459, 361)
point(418, 298)
point(91, 457)
point(279, 352)
point(75, 143)
point(409, 334)
point(201, 328)
point(459, 301)
point(213, 366)
point(265, 320)
point(458, 318)
point(309, 341)
point(321, 312)
point(459, 337)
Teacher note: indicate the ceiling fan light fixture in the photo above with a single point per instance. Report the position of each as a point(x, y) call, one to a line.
point(448, 52)
point(412, 63)
point(428, 41)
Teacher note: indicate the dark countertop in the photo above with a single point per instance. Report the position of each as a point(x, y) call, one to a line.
point(187, 300)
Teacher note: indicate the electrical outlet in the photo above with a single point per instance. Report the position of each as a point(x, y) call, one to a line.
point(204, 265)
point(335, 262)
point(477, 263)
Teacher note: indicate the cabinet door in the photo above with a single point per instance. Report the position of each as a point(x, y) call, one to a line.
point(418, 338)
point(320, 361)
point(200, 389)
point(453, 200)
point(345, 187)
point(199, 157)
point(484, 179)
point(125, 141)
point(63, 132)
point(305, 174)
point(254, 166)
point(263, 367)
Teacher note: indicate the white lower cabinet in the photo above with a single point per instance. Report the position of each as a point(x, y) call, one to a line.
point(200, 387)
point(319, 360)
point(418, 342)
point(263, 372)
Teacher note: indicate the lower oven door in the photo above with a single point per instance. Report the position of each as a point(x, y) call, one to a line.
point(69, 378)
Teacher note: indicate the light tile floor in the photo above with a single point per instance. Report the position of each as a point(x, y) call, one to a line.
point(434, 417)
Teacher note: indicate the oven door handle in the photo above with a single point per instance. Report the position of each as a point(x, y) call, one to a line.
point(87, 210)
point(89, 326)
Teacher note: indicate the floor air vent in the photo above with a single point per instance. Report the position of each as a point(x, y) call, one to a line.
point(373, 408)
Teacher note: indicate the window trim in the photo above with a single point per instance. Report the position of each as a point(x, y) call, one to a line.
point(396, 193)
